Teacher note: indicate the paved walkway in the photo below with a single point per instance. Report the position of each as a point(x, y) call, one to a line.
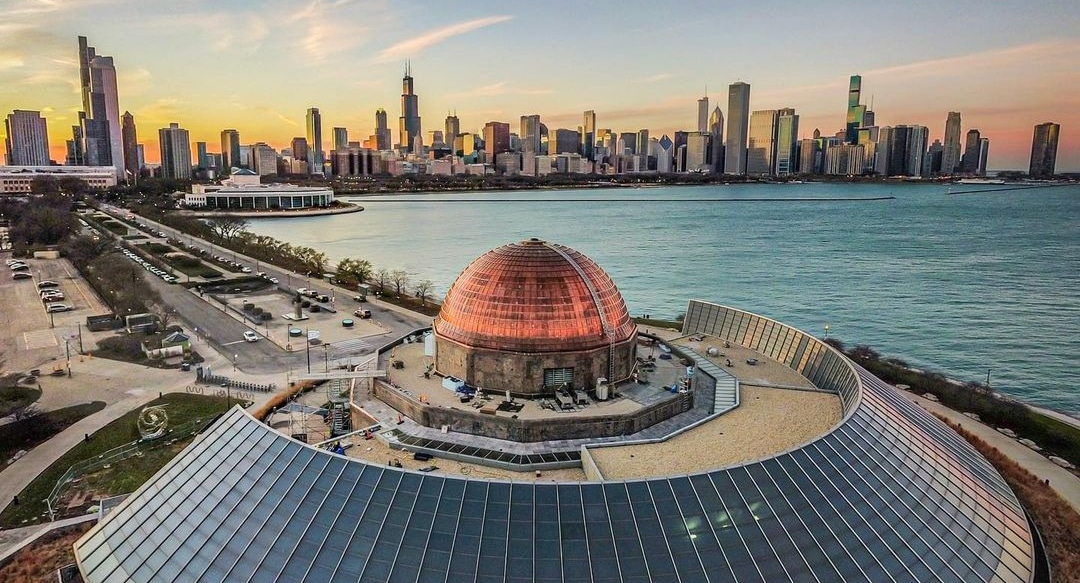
point(12, 541)
point(1064, 482)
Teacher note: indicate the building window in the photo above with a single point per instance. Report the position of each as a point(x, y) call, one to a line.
point(554, 377)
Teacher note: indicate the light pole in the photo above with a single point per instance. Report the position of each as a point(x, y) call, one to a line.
point(307, 348)
point(67, 354)
point(826, 331)
point(234, 357)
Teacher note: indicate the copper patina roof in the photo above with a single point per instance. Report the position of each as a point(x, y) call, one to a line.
point(534, 296)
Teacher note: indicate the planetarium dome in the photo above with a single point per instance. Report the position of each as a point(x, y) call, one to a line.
point(534, 298)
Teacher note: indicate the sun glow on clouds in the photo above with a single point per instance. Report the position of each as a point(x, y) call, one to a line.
point(414, 46)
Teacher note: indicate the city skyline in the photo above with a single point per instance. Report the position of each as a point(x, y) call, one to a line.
point(935, 75)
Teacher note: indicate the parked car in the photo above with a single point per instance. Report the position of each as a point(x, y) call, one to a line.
point(302, 291)
point(323, 298)
point(52, 298)
point(20, 267)
point(362, 314)
point(47, 283)
point(50, 292)
point(58, 308)
point(22, 275)
point(250, 336)
point(18, 264)
point(272, 280)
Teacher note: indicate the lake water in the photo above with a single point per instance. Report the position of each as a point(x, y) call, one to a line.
point(955, 283)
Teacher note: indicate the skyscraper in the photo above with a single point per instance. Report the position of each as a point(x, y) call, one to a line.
point(588, 136)
point(642, 145)
point(315, 143)
point(716, 128)
point(130, 140)
point(496, 139)
point(563, 141)
point(855, 111)
point(382, 130)
point(530, 133)
point(341, 138)
point(409, 123)
point(761, 148)
point(626, 144)
point(901, 150)
point(101, 143)
point(703, 114)
point(230, 149)
point(738, 125)
point(969, 163)
point(201, 156)
point(984, 154)
point(452, 129)
point(301, 150)
point(1044, 150)
point(175, 152)
point(787, 137)
point(950, 153)
point(27, 142)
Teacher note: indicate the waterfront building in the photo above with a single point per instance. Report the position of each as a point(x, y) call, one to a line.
point(856, 112)
point(969, 163)
point(664, 155)
point(507, 163)
point(530, 133)
point(738, 124)
point(27, 141)
point(230, 149)
point(264, 160)
point(809, 155)
point(341, 138)
point(354, 161)
point(626, 144)
point(316, 154)
point(934, 155)
point(703, 114)
point(175, 152)
point(465, 144)
point(382, 131)
point(129, 137)
point(761, 147)
point(243, 190)
point(868, 139)
point(452, 129)
point(409, 122)
point(716, 128)
point(698, 146)
point(564, 142)
point(787, 137)
point(588, 136)
point(950, 153)
point(984, 154)
point(496, 139)
point(17, 179)
point(845, 159)
point(1044, 144)
point(641, 147)
point(901, 150)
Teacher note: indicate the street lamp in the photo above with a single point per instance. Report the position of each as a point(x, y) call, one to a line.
point(234, 357)
point(826, 331)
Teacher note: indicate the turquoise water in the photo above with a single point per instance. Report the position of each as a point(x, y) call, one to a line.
point(958, 284)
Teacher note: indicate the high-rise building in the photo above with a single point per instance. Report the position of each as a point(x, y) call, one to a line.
point(315, 143)
point(496, 139)
point(588, 136)
point(969, 163)
point(301, 151)
point(856, 113)
point(1044, 145)
point(465, 144)
point(716, 128)
point(703, 114)
point(845, 159)
point(382, 130)
point(453, 129)
point(787, 137)
point(664, 155)
point(341, 138)
point(264, 160)
point(934, 156)
point(202, 157)
point(738, 124)
point(809, 155)
point(950, 152)
point(642, 145)
point(530, 134)
point(129, 137)
point(761, 147)
point(230, 149)
point(698, 145)
point(901, 150)
point(984, 154)
point(409, 122)
point(868, 139)
point(100, 141)
point(626, 144)
point(175, 152)
point(563, 141)
point(27, 142)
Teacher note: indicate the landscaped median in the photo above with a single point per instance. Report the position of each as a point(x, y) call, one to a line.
point(122, 476)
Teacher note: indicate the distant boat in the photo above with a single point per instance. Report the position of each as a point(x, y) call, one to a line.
point(981, 181)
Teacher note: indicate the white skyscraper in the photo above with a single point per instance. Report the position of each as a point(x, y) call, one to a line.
point(27, 141)
point(703, 114)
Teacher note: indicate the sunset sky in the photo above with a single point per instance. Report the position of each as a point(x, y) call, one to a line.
point(257, 65)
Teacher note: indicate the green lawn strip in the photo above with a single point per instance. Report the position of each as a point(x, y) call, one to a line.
point(180, 407)
point(133, 237)
point(27, 433)
point(12, 398)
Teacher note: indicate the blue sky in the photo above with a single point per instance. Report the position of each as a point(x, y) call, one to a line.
point(257, 66)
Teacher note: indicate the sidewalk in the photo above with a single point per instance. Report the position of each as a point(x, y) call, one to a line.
point(1065, 483)
point(12, 541)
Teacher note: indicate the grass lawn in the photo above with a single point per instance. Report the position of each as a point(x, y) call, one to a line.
point(133, 237)
point(192, 267)
point(38, 562)
point(180, 407)
point(12, 398)
point(27, 433)
point(156, 248)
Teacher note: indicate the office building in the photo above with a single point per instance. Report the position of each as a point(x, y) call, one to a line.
point(716, 129)
point(130, 138)
point(845, 159)
point(738, 126)
point(810, 158)
point(354, 161)
point(563, 141)
point(530, 133)
point(409, 122)
point(230, 149)
point(984, 154)
point(698, 145)
point(933, 161)
point(703, 114)
point(341, 138)
point(1044, 144)
point(452, 130)
point(588, 136)
point(496, 139)
point(901, 150)
point(202, 157)
point(855, 112)
point(314, 140)
point(175, 152)
point(950, 152)
point(969, 162)
point(99, 141)
point(382, 130)
point(301, 152)
point(869, 136)
point(465, 144)
point(787, 138)
point(761, 146)
point(264, 160)
point(641, 147)
point(27, 142)
point(665, 155)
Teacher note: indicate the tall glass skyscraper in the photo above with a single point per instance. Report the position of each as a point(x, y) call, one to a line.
point(588, 135)
point(1044, 150)
point(453, 130)
point(761, 148)
point(950, 153)
point(130, 139)
point(315, 143)
point(409, 122)
point(382, 130)
point(855, 112)
point(100, 142)
point(230, 149)
point(738, 126)
point(703, 114)
point(787, 136)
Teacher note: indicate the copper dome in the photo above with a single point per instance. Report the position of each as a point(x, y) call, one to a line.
point(534, 296)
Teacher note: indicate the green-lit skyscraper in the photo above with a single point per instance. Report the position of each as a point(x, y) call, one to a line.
point(855, 112)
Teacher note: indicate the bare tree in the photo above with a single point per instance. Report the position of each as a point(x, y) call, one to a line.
point(26, 411)
point(423, 291)
point(400, 279)
point(227, 227)
point(382, 276)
